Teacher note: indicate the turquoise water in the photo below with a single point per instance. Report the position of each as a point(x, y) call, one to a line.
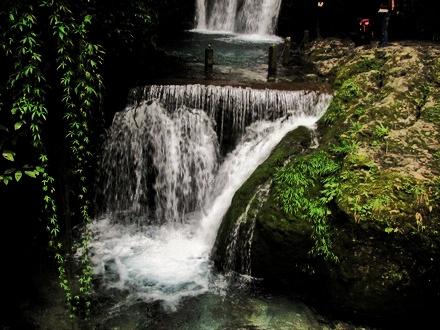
point(236, 57)
point(238, 308)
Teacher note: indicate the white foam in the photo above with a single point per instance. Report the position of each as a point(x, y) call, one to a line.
point(228, 36)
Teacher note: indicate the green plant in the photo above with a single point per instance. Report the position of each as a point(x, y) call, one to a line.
point(381, 131)
point(360, 111)
point(30, 112)
point(304, 189)
point(365, 64)
point(356, 128)
point(78, 66)
point(81, 84)
point(424, 90)
point(349, 91)
point(432, 114)
point(345, 147)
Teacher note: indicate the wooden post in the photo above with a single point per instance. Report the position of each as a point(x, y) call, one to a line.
point(286, 52)
point(305, 41)
point(272, 69)
point(209, 61)
point(306, 38)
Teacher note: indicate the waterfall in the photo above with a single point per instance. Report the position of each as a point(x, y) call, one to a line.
point(201, 14)
point(166, 184)
point(245, 16)
point(231, 109)
point(222, 17)
point(239, 241)
point(180, 146)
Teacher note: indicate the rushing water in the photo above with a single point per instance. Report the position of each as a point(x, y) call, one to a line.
point(167, 179)
point(256, 17)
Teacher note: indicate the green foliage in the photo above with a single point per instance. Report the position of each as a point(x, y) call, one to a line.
point(348, 143)
point(364, 65)
point(28, 108)
point(432, 114)
point(348, 91)
point(305, 188)
point(78, 66)
point(381, 131)
point(81, 83)
point(360, 111)
point(333, 112)
point(8, 155)
point(345, 147)
point(390, 230)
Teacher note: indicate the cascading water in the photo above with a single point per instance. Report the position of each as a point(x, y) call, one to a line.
point(231, 109)
point(239, 241)
point(179, 147)
point(166, 185)
point(245, 16)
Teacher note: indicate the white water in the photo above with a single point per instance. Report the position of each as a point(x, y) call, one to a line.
point(240, 239)
point(250, 17)
point(167, 256)
point(201, 14)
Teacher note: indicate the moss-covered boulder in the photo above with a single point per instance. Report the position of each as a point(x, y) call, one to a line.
point(356, 222)
point(293, 144)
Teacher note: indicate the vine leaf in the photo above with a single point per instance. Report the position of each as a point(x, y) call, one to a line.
point(9, 155)
point(18, 176)
point(32, 174)
point(5, 180)
point(18, 125)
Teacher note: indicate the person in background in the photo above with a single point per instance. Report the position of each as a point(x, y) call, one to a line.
point(386, 7)
point(320, 6)
point(365, 31)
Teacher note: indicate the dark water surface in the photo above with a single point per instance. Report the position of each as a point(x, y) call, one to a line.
point(237, 58)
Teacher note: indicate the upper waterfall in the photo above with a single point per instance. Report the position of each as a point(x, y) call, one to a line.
point(240, 16)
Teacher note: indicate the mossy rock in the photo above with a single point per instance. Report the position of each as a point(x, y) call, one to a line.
point(383, 216)
point(293, 144)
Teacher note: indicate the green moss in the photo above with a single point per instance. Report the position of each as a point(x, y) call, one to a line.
point(436, 71)
point(348, 91)
point(432, 114)
point(359, 160)
point(388, 197)
point(292, 144)
point(360, 118)
point(364, 64)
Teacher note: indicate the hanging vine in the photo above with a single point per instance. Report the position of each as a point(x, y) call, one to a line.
point(56, 68)
point(81, 84)
point(27, 84)
point(78, 62)
point(88, 91)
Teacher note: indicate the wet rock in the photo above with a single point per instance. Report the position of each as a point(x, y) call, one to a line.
point(382, 204)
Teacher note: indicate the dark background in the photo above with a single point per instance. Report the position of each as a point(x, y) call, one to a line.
point(414, 19)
